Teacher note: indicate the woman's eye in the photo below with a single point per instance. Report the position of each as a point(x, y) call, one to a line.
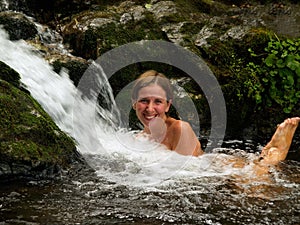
point(143, 100)
point(158, 101)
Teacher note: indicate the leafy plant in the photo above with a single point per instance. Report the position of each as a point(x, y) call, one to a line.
point(277, 79)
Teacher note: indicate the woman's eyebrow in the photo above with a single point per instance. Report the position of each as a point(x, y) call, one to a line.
point(143, 99)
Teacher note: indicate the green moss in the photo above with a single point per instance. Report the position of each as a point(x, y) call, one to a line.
point(96, 41)
point(205, 6)
point(228, 60)
point(18, 27)
point(113, 35)
point(9, 75)
point(26, 150)
point(26, 130)
point(242, 2)
point(75, 69)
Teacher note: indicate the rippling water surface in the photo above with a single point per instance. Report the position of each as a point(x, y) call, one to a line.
point(129, 180)
point(86, 198)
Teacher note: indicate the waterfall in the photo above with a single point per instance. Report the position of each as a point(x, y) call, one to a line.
point(55, 92)
point(115, 153)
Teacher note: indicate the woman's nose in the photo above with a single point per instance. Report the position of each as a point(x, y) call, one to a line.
point(150, 106)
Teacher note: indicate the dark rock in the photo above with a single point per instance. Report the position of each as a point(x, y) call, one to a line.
point(18, 26)
point(45, 11)
point(31, 145)
point(9, 75)
point(75, 68)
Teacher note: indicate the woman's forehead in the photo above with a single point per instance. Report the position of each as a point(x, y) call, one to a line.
point(152, 91)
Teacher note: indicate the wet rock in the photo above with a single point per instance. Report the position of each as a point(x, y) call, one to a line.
point(237, 33)
point(9, 75)
point(75, 68)
point(204, 34)
point(3, 5)
point(81, 33)
point(18, 26)
point(135, 14)
point(31, 144)
point(93, 33)
point(45, 11)
point(49, 44)
point(164, 10)
point(125, 18)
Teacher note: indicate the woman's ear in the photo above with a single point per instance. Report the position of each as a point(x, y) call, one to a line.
point(169, 103)
point(134, 105)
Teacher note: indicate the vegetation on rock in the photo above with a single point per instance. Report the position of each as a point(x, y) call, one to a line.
point(17, 26)
point(28, 135)
point(276, 79)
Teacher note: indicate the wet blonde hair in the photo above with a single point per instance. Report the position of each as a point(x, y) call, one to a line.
point(151, 77)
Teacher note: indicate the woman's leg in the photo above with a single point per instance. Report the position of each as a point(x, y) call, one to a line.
point(276, 150)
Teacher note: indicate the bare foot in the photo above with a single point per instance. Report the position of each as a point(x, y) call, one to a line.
point(276, 150)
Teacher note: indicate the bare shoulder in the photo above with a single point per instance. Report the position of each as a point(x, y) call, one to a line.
point(173, 124)
point(178, 126)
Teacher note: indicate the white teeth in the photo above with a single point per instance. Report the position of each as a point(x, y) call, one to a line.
point(149, 117)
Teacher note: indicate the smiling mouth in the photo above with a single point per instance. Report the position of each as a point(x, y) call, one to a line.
point(150, 117)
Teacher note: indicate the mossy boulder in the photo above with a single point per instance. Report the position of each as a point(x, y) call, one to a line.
point(90, 34)
point(9, 75)
point(75, 68)
point(31, 145)
point(17, 26)
point(45, 11)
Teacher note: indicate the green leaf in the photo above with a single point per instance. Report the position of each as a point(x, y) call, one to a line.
point(270, 60)
point(258, 98)
point(292, 48)
point(290, 79)
point(287, 110)
point(284, 54)
point(273, 73)
point(292, 64)
point(289, 41)
point(297, 70)
point(284, 73)
point(280, 63)
point(284, 44)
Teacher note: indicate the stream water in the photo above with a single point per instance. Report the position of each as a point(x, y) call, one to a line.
point(135, 181)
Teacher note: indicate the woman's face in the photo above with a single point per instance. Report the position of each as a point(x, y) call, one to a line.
point(151, 102)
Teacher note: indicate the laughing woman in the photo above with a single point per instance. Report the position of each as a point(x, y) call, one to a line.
point(152, 97)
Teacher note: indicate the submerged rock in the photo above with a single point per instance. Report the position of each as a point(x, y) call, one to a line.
point(31, 145)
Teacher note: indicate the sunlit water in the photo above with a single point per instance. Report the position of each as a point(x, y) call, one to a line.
point(132, 179)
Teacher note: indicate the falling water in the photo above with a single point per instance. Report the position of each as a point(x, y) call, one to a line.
point(135, 160)
point(138, 180)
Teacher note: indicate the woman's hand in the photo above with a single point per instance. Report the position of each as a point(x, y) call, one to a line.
point(158, 129)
